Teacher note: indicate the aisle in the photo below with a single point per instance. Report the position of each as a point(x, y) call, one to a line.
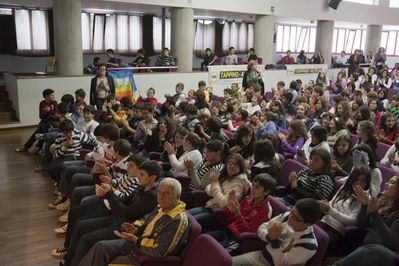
point(26, 222)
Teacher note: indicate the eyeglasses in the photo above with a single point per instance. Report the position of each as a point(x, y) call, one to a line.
point(233, 163)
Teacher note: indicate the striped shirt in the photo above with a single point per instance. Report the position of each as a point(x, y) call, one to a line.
point(292, 247)
point(163, 60)
point(317, 186)
point(119, 169)
point(79, 139)
point(200, 175)
point(125, 186)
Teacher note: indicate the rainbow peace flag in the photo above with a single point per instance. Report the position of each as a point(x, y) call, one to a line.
point(124, 83)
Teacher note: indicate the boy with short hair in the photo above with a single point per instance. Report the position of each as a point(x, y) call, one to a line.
point(88, 124)
point(202, 87)
point(80, 95)
point(48, 113)
point(148, 124)
point(191, 117)
point(289, 237)
point(67, 147)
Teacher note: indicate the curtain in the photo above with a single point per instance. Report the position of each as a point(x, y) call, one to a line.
point(157, 33)
point(110, 32)
point(239, 35)
point(98, 33)
point(87, 32)
point(204, 36)
point(136, 33)
point(31, 31)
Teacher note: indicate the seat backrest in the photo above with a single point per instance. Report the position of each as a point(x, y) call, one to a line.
point(207, 251)
point(287, 167)
point(277, 206)
point(382, 149)
point(322, 241)
point(355, 138)
point(387, 173)
point(195, 231)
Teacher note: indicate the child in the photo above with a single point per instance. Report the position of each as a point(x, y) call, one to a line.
point(302, 113)
point(286, 100)
point(179, 96)
point(376, 115)
point(265, 160)
point(382, 97)
point(48, 113)
point(318, 140)
point(150, 98)
point(88, 125)
point(67, 147)
point(250, 213)
point(266, 126)
point(297, 135)
point(231, 58)
point(190, 97)
point(277, 108)
point(227, 95)
point(343, 209)
point(80, 95)
point(191, 117)
point(289, 237)
point(388, 131)
point(337, 129)
point(143, 129)
point(341, 157)
point(202, 87)
point(240, 119)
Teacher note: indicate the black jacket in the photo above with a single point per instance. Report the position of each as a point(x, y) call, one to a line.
point(93, 85)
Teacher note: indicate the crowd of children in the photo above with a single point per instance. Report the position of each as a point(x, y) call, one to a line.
point(232, 147)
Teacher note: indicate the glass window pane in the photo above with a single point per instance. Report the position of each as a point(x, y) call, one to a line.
point(39, 30)
point(122, 33)
point(334, 44)
point(384, 39)
point(110, 32)
point(286, 35)
point(279, 41)
point(86, 45)
point(98, 38)
point(136, 34)
point(23, 29)
point(251, 34)
point(391, 43)
point(312, 41)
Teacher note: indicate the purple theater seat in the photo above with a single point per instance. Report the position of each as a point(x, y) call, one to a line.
point(355, 138)
point(382, 149)
point(322, 241)
point(207, 251)
point(154, 156)
point(287, 167)
point(184, 180)
point(387, 173)
point(97, 115)
point(181, 256)
point(199, 198)
point(260, 60)
point(268, 96)
point(240, 61)
point(251, 241)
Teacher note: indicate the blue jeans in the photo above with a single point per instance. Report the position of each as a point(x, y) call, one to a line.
point(204, 216)
point(369, 255)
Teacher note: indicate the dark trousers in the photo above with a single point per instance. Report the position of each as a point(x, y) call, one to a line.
point(55, 167)
point(204, 216)
point(43, 127)
point(65, 184)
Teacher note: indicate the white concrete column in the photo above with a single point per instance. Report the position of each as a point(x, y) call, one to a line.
point(182, 42)
point(264, 34)
point(373, 38)
point(324, 39)
point(68, 37)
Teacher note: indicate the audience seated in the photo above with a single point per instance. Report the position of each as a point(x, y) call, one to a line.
point(332, 131)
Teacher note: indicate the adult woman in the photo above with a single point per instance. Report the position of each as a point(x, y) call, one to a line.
point(191, 145)
point(314, 182)
point(353, 61)
point(265, 160)
point(382, 218)
point(101, 86)
point(384, 81)
point(253, 76)
point(380, 58)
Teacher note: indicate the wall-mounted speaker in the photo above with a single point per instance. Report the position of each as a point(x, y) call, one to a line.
point(334, 3)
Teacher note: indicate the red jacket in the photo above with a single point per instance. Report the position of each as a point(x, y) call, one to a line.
point(287, 60)
point(252, 216)
point(152, 101)
point(390, 135)
point(52, 114)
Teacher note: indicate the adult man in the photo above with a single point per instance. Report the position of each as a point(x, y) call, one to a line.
point(162, 233)
point(289, 237)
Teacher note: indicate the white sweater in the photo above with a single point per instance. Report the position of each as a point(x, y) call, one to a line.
point(376, 180)
point(220, 194)
point(387, 162)
point(341, 214)
point(307, 149)
point(178, 166)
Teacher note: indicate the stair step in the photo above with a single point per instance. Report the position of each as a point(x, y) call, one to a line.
point(6, 117)
point(3, 97)
point(6, 106)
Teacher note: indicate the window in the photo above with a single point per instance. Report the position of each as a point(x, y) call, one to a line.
point(204, 32)
point(239, 35)
point(394, 3)
point(157, 33)
point(348, 40)
point(31, 31)
point(365, 2)
point(389, 40)
point(87, 30)
point(123, 33)
point(295, 38)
